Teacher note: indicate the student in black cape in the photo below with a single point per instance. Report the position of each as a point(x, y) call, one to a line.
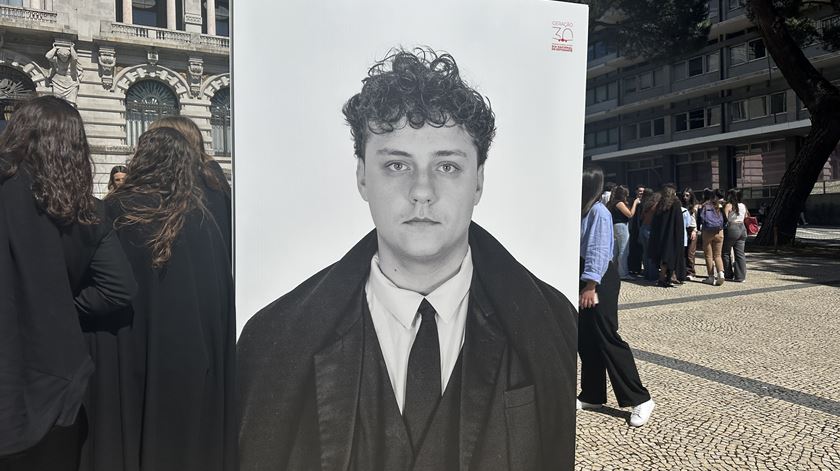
point(217, 192)
point(427, 346)
point(667, 239)
point(59, 263)
point(165, 394)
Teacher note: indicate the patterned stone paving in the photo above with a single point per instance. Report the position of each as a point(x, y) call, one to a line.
point(746, 376)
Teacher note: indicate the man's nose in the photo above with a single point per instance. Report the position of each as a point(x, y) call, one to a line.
point(422, 188)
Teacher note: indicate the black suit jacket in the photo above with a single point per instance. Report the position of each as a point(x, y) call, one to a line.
point(300, 361)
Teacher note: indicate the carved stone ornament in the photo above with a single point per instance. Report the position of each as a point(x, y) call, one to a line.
point(107, 62)
point(152, 56)
point(192, 19)
point(196, 70)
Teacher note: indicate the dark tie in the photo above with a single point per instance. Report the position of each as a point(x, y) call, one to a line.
point(422, 389)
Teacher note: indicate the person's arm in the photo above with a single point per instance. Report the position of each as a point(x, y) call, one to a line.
point(726, 210)
point(112, 281)
point(627, 212)
point(596, 256)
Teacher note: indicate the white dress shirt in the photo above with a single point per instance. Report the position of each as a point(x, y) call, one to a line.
point(395, 318)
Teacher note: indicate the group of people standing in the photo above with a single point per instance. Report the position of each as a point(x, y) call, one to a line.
point(119, 350)
point(657, 234)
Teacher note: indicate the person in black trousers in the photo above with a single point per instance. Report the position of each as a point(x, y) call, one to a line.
point(601, 349)
point(59, 263)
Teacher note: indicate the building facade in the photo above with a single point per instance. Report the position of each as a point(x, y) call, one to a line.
point(123, 64)
point(719, 117)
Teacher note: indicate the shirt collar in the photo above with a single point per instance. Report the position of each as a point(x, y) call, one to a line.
point(403, 303)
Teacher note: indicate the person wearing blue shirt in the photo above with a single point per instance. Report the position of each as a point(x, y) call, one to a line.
point(602, 351)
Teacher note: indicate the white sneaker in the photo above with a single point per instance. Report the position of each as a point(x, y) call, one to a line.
point(641, 413)
point(709, 280)
point(719, 280)
point(580, 405)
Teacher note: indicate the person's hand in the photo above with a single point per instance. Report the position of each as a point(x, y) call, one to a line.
point(637, 201)
point(694, 235)
point(588, 296)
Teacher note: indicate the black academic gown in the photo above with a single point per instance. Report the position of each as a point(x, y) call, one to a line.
point(164, 395)
point(44, 363)
point(50, 275)
point(300, 361)
point(666, 237)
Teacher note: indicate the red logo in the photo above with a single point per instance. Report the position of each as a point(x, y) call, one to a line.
point(564, 36)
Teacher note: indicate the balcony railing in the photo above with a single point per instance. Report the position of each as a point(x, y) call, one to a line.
point(162, 34)
point(215, 41)
point(26, 14)
point(148, 32)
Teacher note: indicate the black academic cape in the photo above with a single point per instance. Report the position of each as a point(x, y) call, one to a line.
point(299, 367)
point(163, 397)
point(666, 237)
point(44, 363)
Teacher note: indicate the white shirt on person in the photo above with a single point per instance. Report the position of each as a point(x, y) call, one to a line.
point(396, 321)
point(736, 217)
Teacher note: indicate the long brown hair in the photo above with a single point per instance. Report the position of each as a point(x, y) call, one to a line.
point(669, 198)
point(46, 137)
point(190, 130)
point(619, 194)
point(164, 171)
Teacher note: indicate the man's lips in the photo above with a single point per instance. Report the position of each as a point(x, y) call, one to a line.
point(421, 221)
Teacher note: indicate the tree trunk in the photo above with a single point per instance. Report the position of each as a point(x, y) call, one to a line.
point(822, 100)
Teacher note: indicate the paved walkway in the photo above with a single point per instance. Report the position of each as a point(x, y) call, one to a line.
point(746, 376)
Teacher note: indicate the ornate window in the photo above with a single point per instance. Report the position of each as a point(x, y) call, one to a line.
point(14, 87)
point(220, 121)
point(145, 102)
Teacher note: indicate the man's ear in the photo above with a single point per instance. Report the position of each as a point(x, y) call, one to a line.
point(360, 178)
point(479, 186)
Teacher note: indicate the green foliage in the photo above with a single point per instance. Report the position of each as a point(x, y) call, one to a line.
point(654, 29)
point(806, 30)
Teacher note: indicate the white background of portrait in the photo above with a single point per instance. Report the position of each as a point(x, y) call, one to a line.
point(295, 63)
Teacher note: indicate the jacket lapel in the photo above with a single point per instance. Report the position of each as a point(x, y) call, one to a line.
point(484, 345)
point(337, 376)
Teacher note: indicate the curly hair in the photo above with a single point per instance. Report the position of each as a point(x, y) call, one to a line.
point(46, 137)
point(416, 88)
point(190, 130)
point(669, 197)
point(161, 188)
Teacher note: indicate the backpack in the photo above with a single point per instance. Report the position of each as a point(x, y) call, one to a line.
point(711, 217)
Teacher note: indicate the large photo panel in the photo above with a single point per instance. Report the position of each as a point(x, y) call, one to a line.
point(296, 63)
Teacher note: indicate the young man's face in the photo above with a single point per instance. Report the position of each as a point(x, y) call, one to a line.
point(421, 186)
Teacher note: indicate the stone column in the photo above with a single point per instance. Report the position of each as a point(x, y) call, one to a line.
point(170, 14)
point(211, 17)
point(127, 15)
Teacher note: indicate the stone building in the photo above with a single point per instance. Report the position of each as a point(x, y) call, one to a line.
point(718, 117)
point(123, 63)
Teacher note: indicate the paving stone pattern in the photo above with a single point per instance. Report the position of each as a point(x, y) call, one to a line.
point(746, 376)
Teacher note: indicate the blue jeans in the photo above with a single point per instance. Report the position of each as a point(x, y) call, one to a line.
point(622, 248)
point(651, 272)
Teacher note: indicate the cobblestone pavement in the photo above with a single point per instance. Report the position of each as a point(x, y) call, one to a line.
point(746, 376)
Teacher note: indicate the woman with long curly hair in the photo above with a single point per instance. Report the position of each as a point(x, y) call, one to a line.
point(174, 374)
point(667, 240)
point(60, 264)
point(215, 185)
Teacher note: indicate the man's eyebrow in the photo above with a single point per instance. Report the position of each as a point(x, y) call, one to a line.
point(450, 153)
point(389, 151)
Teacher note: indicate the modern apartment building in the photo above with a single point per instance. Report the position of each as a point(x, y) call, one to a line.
point(124, 64)
point(718, 117)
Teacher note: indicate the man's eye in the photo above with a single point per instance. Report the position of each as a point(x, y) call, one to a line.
point(448, 168)
point(396, 166)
